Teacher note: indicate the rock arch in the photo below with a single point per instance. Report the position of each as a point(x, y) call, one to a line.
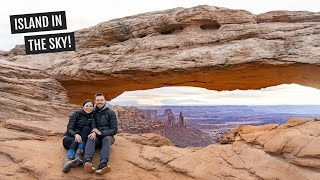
point(247, 76)
point(210, 47)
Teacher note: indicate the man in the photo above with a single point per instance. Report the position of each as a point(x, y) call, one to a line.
point(107, 127)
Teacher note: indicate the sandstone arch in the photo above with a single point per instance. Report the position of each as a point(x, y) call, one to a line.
point(247, 76)
point(210, 47)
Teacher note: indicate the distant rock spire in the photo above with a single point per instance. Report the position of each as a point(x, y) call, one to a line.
point(169, 117)
point(181, 120)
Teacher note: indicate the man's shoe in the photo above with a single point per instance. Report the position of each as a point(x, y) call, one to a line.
point(103, 168)
point(88, 167)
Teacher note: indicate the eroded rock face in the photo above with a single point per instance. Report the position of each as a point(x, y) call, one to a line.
point(136, 121)
point(33, 107)
point(297, 141)
point(28, 151)
point(210, 47)
point(31, 101)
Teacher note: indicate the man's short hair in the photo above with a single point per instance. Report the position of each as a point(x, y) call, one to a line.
point(98, 94)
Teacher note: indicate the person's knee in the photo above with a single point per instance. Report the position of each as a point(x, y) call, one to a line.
point(85, 132)
point(86, 129)
point(107, 139)
point(91, 141)
point(67, 141)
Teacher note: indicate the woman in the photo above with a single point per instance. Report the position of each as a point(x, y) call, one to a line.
point(79, 128)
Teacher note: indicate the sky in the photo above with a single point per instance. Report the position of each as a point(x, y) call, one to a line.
point(81, 14)
point(285, 94)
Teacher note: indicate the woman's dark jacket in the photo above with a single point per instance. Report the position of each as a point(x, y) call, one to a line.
point(77, 121)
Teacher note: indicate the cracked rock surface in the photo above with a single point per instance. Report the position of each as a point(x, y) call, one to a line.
point(34, 114)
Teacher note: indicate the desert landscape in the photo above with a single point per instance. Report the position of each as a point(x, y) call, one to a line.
point(211, 47)
point(207, 124)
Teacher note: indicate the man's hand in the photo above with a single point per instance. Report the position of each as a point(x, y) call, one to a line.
point(92, 135)
point(78, 138)
point(96, 131)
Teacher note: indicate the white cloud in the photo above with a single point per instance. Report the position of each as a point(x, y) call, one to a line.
point(276, 95)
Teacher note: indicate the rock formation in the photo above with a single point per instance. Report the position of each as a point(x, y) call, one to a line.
point(28, 100)
point(169, 119)
point(128, 112)
point(210, 47)
point(181, 121)
point(182, 136)
point(136, 121)
point(134, 112)
point(151, 114)
point(297, 141)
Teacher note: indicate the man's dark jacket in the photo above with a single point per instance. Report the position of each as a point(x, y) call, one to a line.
point(77, 121)
point(106, 120)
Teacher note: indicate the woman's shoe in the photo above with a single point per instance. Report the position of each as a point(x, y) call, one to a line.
point(78, 159)
point(69, 163)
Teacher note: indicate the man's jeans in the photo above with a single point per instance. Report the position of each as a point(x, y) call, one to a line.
point(103, 142)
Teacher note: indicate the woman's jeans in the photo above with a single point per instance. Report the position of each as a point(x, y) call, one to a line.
point(70, 143)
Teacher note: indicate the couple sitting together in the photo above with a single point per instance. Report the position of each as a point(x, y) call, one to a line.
point(91, 127)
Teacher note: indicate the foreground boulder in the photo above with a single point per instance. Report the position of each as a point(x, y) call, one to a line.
point(296, 141)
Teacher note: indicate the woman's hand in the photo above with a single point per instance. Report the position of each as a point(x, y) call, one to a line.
point(96, 131)
point(78, 138)
point(92, 135)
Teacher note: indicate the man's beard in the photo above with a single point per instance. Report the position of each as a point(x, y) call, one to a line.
point(100, 105)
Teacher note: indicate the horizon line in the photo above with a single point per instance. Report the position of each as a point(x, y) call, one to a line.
point(228, 105)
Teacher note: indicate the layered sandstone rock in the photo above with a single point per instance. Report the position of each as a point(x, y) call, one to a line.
point(297, 141)
point(136, 121)
point(289, 151)
point(210, 47)
point(28, 100)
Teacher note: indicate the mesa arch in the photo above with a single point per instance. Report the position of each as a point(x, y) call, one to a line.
point(210, 47)
point(247, 76)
